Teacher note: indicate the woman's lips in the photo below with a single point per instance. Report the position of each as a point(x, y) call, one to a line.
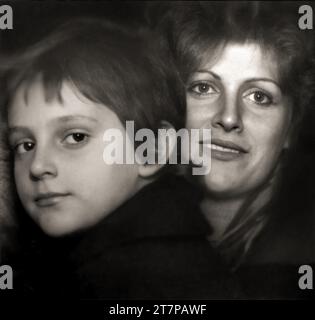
point(49, 199)
point(225, 150)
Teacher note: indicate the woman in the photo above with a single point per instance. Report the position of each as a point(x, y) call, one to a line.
point(248, 80)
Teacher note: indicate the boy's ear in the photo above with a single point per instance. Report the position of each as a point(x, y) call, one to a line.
point(163, 149)
point(149, 170)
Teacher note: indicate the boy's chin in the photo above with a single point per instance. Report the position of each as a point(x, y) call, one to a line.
point(55, 232)
point(57, 229)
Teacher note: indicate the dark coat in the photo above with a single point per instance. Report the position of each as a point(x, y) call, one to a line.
point(271, 270)
point(152, 247)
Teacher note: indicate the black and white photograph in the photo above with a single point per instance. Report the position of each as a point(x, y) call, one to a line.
point(157, 151)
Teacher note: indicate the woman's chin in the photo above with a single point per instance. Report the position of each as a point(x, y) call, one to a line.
point(222, 187)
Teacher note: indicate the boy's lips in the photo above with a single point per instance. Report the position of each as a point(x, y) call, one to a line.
point(49, 198)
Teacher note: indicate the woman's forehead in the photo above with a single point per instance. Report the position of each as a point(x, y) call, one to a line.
point(242, 59)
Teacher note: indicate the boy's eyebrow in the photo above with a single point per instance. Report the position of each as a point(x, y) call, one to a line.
point(74, 117)
point(63, 119)
point(12, 130)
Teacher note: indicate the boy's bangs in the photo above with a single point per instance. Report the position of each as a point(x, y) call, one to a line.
point(108, 65)
point(51, 71)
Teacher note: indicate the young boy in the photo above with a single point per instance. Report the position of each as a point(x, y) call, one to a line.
point(124, 237)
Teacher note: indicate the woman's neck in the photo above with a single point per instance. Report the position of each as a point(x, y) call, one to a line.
point(219, 213)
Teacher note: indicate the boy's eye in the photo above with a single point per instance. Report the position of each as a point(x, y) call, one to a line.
point(259, 97)
point(24, 147)
point(75, 138)
point(202, 88)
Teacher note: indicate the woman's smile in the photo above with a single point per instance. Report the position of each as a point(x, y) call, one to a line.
point(224, 150)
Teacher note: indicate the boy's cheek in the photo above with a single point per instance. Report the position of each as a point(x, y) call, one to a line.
point(22, 185)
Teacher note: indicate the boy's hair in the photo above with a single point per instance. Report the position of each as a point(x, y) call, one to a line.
point(109, 64)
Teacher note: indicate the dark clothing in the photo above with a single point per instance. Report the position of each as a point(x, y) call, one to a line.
point(271, 270)
point(153, 247)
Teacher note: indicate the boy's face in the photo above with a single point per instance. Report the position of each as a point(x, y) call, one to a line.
point(60, 174)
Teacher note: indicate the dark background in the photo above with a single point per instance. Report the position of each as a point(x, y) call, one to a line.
point(33, 19)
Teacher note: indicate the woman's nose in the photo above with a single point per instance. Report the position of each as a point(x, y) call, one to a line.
point(229, 115)
point(42, 165)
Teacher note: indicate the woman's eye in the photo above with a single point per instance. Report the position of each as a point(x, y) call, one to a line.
point(75, 138)
point(202, 88)
point(259, 97)
point(24, 147)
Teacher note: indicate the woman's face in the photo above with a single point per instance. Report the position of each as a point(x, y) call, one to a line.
point(239, 98)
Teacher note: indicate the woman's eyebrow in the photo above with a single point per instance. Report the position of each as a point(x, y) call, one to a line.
point(262, 79)
point(216, 76)
point(213, 74)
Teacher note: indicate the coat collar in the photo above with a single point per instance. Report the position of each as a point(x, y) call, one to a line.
point(167, 208)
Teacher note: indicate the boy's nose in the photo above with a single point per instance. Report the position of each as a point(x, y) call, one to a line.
point(43, 165)
point(229, 115)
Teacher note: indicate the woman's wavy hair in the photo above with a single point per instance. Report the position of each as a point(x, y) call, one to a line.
point(195, 31)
